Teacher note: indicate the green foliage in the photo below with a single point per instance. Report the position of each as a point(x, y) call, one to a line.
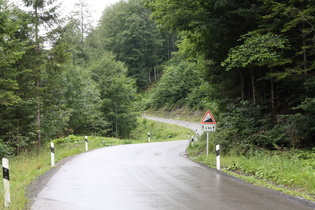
point(244, 129)
point(180, 79)
point(270, 48)
point(294, 19)
point(11, 51)
point(84, 102)
point(208, 23)
point(237, 125)
point(158, 131)
point(288, 131)
point(117, 92)
point(84, 82)
point(5, 150)
point(94, 141)
point(257, 50)
point(288, 168)
point(126, 30)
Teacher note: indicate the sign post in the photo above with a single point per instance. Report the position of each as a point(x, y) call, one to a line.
point(208, 124)
point(207, 153)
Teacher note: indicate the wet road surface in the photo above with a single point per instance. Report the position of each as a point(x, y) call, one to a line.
point(149, 176)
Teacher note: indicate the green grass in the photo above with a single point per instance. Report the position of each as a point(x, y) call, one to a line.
point(23, 170)
point(292, 172)
point(27, 167)
point(158, 131)
point(183, 113)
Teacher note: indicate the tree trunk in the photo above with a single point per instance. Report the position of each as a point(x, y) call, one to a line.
point(304, 54)
point(39, 136)
point(116, 123)
point(155, 73)
point(252, 75)
point(242, 85)
point(168, 48)
point(149, 75)
point(272, 87)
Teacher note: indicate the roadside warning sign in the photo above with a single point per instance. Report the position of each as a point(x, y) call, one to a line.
point(208, 122)
point(208, 119)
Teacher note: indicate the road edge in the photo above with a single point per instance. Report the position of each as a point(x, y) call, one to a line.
point(41, 181)
point(296, 199)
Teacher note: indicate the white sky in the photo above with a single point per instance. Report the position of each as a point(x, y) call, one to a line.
point(97, 6)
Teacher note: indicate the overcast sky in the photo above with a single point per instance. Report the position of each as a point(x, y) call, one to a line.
point(97, 6)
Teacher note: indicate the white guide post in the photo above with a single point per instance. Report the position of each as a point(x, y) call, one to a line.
point(218, 157)
point(6, 181)
point(52, 152)
point(86, 143)
point(149, 137)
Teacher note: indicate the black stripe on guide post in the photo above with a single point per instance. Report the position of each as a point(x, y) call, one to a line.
point(217, 152)
point(5, 172)
point(52, 149)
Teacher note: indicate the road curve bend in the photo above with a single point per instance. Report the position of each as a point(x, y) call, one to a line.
point(196, 127)
point(149, 176)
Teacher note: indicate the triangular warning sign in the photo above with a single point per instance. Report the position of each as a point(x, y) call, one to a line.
point(208, 118)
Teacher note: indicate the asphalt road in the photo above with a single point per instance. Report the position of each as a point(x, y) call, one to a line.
point(149, 176)
point(196, 127)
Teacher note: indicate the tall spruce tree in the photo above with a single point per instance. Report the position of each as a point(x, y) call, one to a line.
point(127, 30)
point(43, 13)
point(11, 50)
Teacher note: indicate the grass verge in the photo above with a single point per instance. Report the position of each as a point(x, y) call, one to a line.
point(27, 167)
point(183, 113)
point(291, 172)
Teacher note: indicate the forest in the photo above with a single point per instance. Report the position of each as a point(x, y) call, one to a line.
point(251, 62)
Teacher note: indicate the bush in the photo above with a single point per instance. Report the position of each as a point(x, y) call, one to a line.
point(288, 131)
point(244, 129)
point(239, 122)
point(5, 149)
point(179, 81)
point(158, 131)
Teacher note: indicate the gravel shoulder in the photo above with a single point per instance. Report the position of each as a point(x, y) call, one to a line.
point(36, 186)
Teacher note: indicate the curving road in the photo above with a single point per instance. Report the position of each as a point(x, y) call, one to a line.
point(196, 127)
point(149, 176)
